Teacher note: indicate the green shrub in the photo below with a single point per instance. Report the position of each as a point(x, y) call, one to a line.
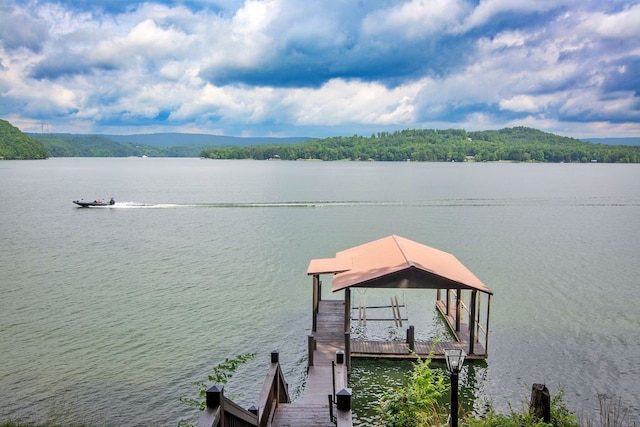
point(560, 417)
point(415, 404)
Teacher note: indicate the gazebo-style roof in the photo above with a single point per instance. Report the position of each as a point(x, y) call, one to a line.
point(396, 262)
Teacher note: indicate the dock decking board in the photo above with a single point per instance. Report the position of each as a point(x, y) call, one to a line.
point(298, 414)
point(312, 408)
point(330, 338)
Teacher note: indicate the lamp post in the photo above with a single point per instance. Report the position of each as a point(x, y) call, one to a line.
point(455, 359)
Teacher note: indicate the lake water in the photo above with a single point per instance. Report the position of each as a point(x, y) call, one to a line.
point(111, 313)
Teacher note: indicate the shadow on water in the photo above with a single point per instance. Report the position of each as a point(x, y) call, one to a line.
point(371, 378)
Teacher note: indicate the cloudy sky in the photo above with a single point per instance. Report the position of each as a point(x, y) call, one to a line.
point(320, 67)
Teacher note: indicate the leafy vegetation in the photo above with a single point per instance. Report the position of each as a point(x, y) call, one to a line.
point(560, 417)
point(155, 145)
point(519, 144)
point(222, 373)
point(510, 144)
point(16, 145)
point(412, 404)
point(69, 145)
point(416, 403)
point(72, 145)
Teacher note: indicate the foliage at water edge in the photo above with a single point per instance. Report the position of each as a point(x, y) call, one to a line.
point(520, 144)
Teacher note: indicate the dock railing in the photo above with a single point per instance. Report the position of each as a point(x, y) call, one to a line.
point(343, 397)
point(480, 329)
point(274, 391)
point(223, 412)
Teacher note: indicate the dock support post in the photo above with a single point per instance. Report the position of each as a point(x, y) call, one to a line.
point(540, 405)
point(478, 310)
point(275, 358)
point(316, 301)
point(347, 350)
point(472, 322)
point(347, 310)
point(448, 311)
point(343, 400)
point(347, 327)
point(411, 337)
point(458, 307)
point(311, 347)
point(215, 395)
point(486, 334)
point(215, 399)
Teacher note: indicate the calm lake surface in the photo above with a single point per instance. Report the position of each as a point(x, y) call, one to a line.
point(112, 313)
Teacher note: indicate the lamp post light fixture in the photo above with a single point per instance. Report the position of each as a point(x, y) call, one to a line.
point(455, 359)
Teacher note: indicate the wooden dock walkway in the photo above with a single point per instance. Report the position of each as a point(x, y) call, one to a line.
point(312, 409)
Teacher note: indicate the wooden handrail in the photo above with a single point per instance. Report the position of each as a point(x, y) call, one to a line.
point(238, 413)
point(466, 308)
point(210, 417)
point(222, 411)
point(274, 391)
point(343, 416)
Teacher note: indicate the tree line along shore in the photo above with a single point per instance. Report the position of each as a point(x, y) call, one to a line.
point(518, 144)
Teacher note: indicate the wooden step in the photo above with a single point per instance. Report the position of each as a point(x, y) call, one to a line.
point(297, 415)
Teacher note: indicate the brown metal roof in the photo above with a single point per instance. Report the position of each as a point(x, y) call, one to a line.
point(396, 262)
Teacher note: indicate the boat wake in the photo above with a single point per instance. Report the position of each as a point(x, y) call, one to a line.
point(354, 203)
point(138, 205)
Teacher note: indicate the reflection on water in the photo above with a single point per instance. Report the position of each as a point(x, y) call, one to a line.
point(369, 380)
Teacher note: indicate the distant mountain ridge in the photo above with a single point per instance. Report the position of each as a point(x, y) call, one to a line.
point(615, 141)
point(177, 139)
point(151, 145)
point(519, 144)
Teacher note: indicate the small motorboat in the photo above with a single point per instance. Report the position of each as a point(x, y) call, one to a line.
point(95, 203)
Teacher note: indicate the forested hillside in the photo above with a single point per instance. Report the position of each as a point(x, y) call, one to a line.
point(151, 145)
point(158, 145)
point(510, 144)
point(519, 144)
point(69, 145)
point(16, 145)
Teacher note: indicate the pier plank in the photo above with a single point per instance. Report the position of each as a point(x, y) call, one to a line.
point(297, 414)
point(312, 408)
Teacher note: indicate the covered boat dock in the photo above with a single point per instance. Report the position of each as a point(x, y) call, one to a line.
point(395, 262)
